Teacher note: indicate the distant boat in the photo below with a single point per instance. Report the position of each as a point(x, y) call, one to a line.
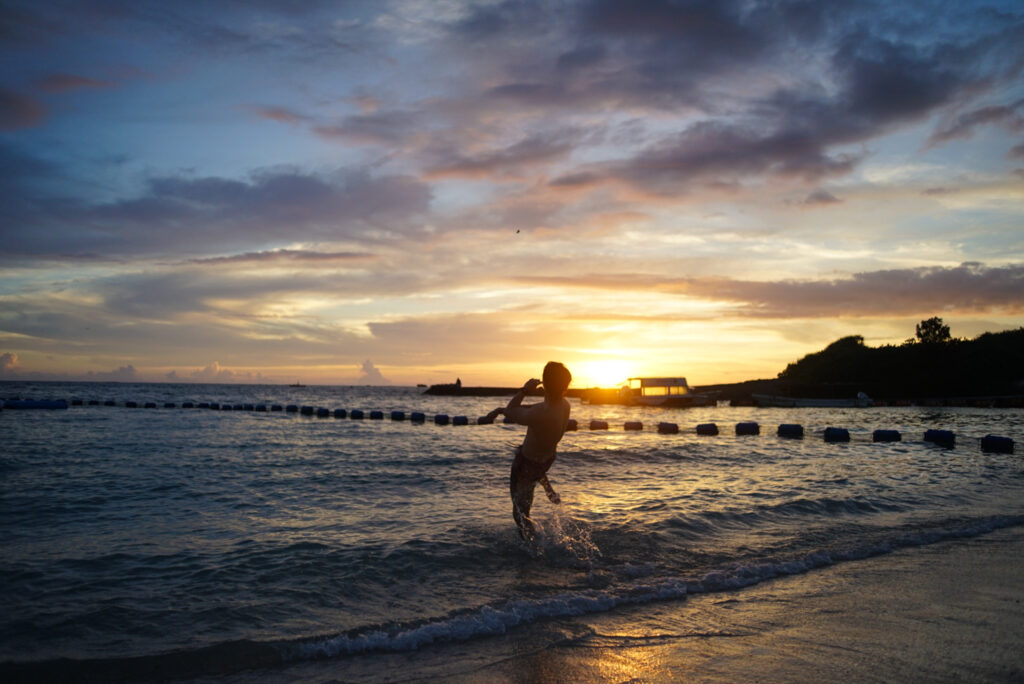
point(420, 385)
point(296, 384)
point(860, 401)
point(664, 392)
point(667, 392)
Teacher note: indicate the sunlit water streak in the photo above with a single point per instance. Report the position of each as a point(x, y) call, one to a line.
point(134, 532)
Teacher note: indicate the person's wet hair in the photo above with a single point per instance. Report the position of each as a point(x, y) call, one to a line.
point(556, 378)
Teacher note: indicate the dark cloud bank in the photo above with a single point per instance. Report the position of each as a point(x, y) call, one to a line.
point(779, 89)
point(969, 288)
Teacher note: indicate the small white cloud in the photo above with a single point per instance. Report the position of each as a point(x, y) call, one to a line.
point(371, 375)
point(8, 363)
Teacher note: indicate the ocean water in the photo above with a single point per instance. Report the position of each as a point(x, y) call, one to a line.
point(170, 542)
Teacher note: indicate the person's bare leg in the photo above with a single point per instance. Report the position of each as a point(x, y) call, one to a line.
point(522, 502)
point(549, 490)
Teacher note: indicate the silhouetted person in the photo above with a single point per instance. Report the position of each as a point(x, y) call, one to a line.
point(545, 424)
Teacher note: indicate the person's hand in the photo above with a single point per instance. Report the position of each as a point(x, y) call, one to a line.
point(531, 384)
point(489, 418)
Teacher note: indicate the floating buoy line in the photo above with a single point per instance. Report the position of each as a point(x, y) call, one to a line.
point(942, 438)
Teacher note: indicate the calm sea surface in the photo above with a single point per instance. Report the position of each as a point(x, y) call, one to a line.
point(238, 539)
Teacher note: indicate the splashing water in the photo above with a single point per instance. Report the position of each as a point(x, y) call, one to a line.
point(565, 540)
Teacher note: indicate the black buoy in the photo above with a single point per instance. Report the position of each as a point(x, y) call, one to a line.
point(572, 425)
point(748, 428)
point(599, 425)
point(376, 415)
point(944, 438)
point(886, 436)
point(835, 434)
point(791, 431)
point(996, 444)
point(340, 413)
point(670, 429)
point(418, 417)
point(632, 425)
point(441, 419)
point(460, 420)
point(398, 415)
point(707, 429)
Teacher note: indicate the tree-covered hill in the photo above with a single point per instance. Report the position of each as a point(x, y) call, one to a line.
point(931, 365)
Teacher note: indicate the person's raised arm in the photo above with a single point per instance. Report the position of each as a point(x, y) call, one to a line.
point(512, 409)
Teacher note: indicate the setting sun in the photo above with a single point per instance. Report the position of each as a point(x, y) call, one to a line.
point(605, 373)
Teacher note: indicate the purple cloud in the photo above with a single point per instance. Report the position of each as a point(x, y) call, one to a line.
point(62, 83)
point(963, 126)
point(279, 114)
point(383, 127)
point(821, 197)
point(969, 288)
point(288, 255)
point(19, 111)
point(212, 214)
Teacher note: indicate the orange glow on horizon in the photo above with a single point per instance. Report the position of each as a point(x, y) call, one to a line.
point(606, 373)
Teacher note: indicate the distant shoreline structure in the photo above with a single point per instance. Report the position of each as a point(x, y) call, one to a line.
point(742, 394)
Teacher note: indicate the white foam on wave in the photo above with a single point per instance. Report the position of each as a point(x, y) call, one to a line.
point(497, 619)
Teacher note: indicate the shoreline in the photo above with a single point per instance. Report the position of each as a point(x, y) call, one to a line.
point(953, 610)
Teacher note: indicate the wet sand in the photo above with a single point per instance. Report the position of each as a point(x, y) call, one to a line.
point(947, 612)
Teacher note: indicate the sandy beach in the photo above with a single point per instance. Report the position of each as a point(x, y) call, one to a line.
point(946, 612)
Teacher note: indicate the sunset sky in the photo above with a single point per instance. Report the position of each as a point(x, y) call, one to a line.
point(414, 191)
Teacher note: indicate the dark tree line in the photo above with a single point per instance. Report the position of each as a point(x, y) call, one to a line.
point(933, 364)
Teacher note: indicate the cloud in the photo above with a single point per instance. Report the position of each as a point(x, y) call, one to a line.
point(279, 114)
point(1016, 152)
point(122, 374)
point(181, 214)
point(538, 148)
point(62, 83)
point(969, 288)
point(371, 375)
point(214, 372)
point(19, 111)
point(714, 155)
point(821, 197)
point(297, 256)
point(761, 110)
point(8, 363)
point(391, 127)
point(173, 292)
point(963, 126)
